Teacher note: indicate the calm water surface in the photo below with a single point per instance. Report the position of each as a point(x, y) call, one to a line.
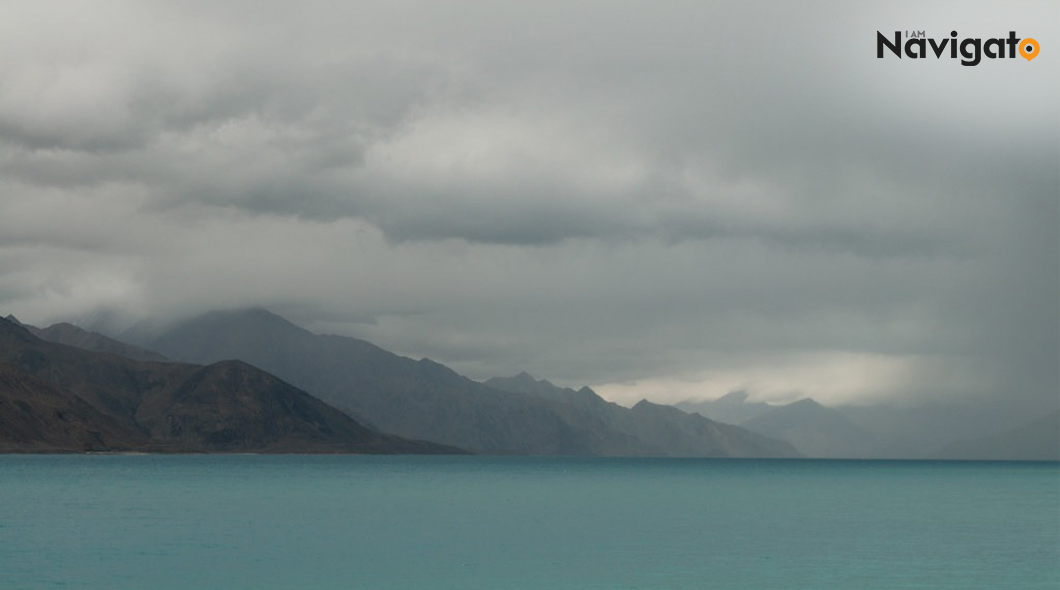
point(514, 523)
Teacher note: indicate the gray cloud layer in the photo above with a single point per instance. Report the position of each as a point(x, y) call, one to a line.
point(719, 195)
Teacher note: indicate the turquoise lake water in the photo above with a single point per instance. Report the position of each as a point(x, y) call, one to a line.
point(514, 523)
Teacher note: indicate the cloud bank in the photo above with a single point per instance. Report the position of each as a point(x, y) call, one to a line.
point(662, 202)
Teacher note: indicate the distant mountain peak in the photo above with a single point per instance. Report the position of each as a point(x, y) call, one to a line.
point(257, 313)
point(524, 382)
point(15, 330)
point(733, 397)
point(814, 429)
point(11, 318)
point(645, 405)
point(259, 319)
point(71, 335)
point(528, 379)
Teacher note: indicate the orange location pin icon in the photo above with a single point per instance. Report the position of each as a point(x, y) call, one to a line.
point(1028, 48)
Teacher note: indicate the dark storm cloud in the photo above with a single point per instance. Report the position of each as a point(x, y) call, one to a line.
point(592, 191)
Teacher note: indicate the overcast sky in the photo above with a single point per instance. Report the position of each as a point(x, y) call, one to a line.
point(657, 199)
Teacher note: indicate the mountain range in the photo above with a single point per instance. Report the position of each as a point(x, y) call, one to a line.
point(816, 430)
point(234, 354)
point(425, 400)
point(58, 398)
point(926, 431)
point(658, 429)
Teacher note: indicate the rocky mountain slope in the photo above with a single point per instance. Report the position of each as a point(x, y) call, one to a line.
point(55, 397)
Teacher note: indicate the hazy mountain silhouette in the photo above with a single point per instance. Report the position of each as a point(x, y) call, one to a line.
point(71, 335)
point(1036, 440)
point(731, 408)
point(659, 430)
point(57, 397)
point(962, 430)
point(412, 398)
point(815, 430)
point(919, 432)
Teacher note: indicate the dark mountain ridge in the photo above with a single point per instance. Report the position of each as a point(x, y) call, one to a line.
point(36, 416)
point(108, 402)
